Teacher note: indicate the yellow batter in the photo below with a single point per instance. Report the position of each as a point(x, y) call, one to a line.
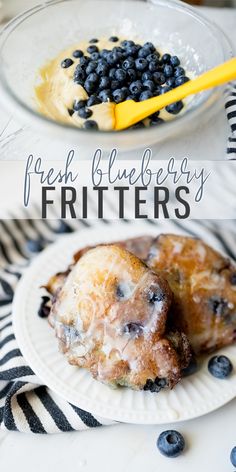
point(57, 91)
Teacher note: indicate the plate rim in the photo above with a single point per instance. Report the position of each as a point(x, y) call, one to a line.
point(125, 417)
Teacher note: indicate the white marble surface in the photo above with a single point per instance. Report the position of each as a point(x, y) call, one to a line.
point(126, 448)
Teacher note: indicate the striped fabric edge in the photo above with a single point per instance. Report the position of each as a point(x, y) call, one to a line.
point(25, 404)
point(230, 107)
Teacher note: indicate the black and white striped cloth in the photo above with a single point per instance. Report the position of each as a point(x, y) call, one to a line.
point(25, 404)
point(230, 107)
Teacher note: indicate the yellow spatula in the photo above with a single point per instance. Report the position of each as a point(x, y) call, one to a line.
point(128, 113)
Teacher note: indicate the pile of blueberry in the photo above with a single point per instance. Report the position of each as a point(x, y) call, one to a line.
point(126, 72)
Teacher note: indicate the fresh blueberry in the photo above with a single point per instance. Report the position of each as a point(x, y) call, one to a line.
point(113, 58)
point(103, 53)
point(93, 100)
point(158, 121)
point(143, 52)
point(174, 60)
point(157, 91)
point(129, 63)
point(136, 88)
point(115, 84)
point(44, 309)
point(105, 95)
point(179, 71)
point(78, 53)
point(79, 75)
point(112, 73)
point(84, 61)
point(145, 95)
point(131, 75)
point(119, 95)
point(233, 456)
point(114, 39)
point(133, 50)
point(130, 97)
point(120, 75)
point(127, 43)
point(168, 70)
point(79, 104)
point(191, 369)
point(141, 64)
point(90, 124)
point(133, 329)
point(166, 89)
point(220, 367)
point(159, 78)
point(175, 108)
point(182, 79)
point(35, 245)
point(150, 46)
point(171, 443)
point(104, 83)
point(149, 85)
point(63, 228)
point(91, 67)
point(71, 112)
point(171, 82)
point(147, 76)
point(93, 41)
point(85, 113)
point(154, 386)
point(233, 279)
point(166, 58)
point(92, 49)
point(153, 57)
point(67, 63)
point(90, 85)
point(102, 69)
point(95, 56)
point(153, 66)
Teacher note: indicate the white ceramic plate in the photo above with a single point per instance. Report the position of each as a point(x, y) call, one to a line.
point(194, 396)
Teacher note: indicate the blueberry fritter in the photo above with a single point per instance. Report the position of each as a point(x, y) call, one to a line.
point(110, 315)
point(203, 283)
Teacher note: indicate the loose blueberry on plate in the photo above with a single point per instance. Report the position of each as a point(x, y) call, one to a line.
point(85, 113)
point(141, 64)
point(90, 124)
point(67, 63)
point(105, 95)
point(171, 443)
point(174, 60)
point(93, 100)
point(92, 49)
point(44, 309)
point(149, 85)
point(233, 456)
point(220, 367)
point(166, 58)
point(78, 53)
point(93, 41)
point(175, 108)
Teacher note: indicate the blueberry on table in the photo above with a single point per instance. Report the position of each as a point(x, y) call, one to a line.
point(44, 310)
point(78, 53)
point(143, 52)
point(104, 83)
point(79, 75)
point(90, 124)
point(158, 78)
point(233, 456)
point(67, 63)
point(92, 49)
point(94, 56)
point(171, 82)
point(131, 75)
point(175, 108)
point(182, 79)
point(35, 245)
point(85, 113)
point(114, 39)
point(149, 85)
point(191, 369)
point(153, 57)
point(129, 63)
point(220, 367)
point(91, 67)
point(141, 64)
point(147, 76)
point(153, 66)
point(93, 41)
point(168, 70)
point(171, 443)
point(115, 84)
point(149, 46)
point(79, 104)
point(102, 69)
point(93, 100)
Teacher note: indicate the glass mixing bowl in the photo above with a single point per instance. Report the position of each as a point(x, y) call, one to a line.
point(39, 34)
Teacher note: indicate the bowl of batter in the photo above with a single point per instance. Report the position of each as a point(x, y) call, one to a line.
point(64, 66)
